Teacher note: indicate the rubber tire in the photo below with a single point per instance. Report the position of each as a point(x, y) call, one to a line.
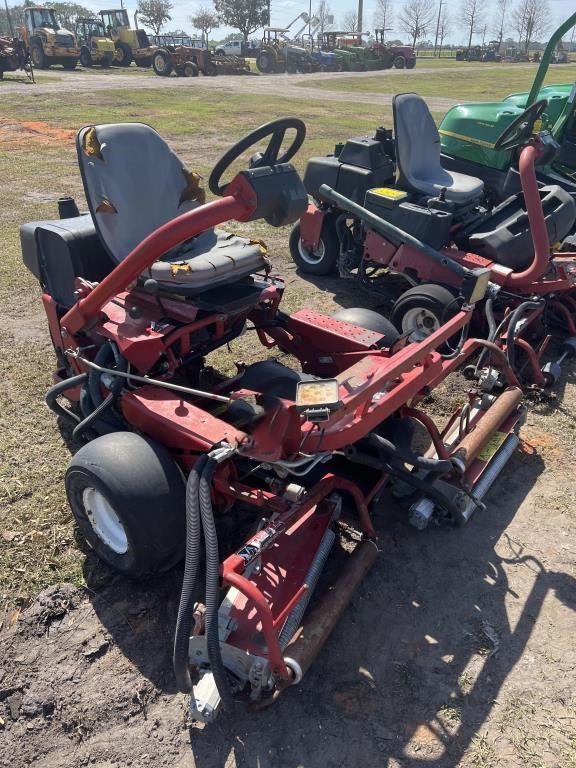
point(372, 321)
point(168, 66)
point(220, 52)
point(69, 64)
point(126, 59)
point(265, 62)
point(147, 491)
point(410, 63)
point(437, 299)
point(329, 237)
point(106, 62)
point(210, 70)
point(145, 62)
point(43, 61)
point(85, 57)
point(190, 69)
point(399, 62)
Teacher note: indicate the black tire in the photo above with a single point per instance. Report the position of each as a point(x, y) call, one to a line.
point(323, 261)
point(424, 308)
point(39, 58)
point(128, 498)
point(210, 70)
point(85, 57)
point(69, 64)
point(266, 62)
point(123, 56)
point(410, 63)
point(190, 69)
point(399, 62)
point(162, 63)
point(144, 62)
point(220, 52)
point(106, 62)
point(372, 321)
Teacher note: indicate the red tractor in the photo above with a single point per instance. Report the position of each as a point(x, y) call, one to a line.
point(142, 295)
point(398, 56)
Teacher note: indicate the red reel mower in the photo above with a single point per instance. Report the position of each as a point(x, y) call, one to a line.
point(529, 288)
point(139, 293)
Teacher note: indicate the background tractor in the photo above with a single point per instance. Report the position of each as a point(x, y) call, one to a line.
point(398, 56)
point(47, 42)
point(131, 44)
point(187, 61)
point(95, 46)
point(278, 54)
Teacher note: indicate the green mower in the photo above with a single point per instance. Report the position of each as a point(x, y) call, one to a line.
point(468, 132)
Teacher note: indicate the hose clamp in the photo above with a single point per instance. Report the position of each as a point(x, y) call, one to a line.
point(295, 668)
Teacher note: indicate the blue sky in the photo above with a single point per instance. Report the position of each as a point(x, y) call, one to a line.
point(283, 11)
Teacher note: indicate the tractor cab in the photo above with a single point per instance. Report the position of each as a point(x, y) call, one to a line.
point(95, 45)
point(131, 44)
point(47, 41)
point(468, 132)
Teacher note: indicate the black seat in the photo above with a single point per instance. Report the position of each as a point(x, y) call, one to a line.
point(418, 155)
point(134, 183)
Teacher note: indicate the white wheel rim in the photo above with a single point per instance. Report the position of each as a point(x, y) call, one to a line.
point(160, 64)
point(310, 256)
point(104, 520)
point(420, 319)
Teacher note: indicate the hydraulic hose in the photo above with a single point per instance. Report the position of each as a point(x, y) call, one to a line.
point(93, 417)
point(514, 318)
point(439, 466)
point(58, 389)
point(186, 607)
point(213, 587)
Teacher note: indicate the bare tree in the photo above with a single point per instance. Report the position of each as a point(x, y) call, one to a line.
point(444, 28)
point(471, 18)
point(324, 15)
point(204, 20)
point(416, 18)
point(500, 19)
point(350, 23)
point(531, 19)
point(384, 15)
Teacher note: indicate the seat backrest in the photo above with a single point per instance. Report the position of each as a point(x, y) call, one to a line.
point(417, 140)
point(134, 183)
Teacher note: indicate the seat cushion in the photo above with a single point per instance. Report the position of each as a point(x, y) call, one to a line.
point(460, 188)
point(418, 154)
point(211, 259)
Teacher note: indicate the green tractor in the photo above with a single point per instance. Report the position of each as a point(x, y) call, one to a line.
point(349, 58)
point(468, 132)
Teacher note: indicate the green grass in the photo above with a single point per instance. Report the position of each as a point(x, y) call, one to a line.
point(490, 84)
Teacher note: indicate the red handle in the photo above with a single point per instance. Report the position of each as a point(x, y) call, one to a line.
point(237, 205)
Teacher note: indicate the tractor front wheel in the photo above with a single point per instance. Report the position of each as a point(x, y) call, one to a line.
point(128, 497)
point(123, 54)
point(39, 58)
point(399, 62)
point(266, 62)
point(190, 69)
point(107, 60)
point(85, 57)
point(410, 63)
point(162, 63)
point(322, 260)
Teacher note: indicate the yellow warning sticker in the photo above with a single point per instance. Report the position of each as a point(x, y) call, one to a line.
point(492, 446)
point(389, 193)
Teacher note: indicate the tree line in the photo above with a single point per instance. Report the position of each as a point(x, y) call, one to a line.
point(527, 20)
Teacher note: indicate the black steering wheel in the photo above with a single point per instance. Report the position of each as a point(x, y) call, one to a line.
point(521, 128)
point(276, 129)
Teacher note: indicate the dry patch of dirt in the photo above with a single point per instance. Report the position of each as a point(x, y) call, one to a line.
point(21, 133)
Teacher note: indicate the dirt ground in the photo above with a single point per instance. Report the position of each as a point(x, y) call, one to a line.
point(458, 649)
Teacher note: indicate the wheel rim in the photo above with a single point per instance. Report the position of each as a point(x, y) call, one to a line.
point(104, 521)
point(420, 319)
point(160, 64)
point(310, 256)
